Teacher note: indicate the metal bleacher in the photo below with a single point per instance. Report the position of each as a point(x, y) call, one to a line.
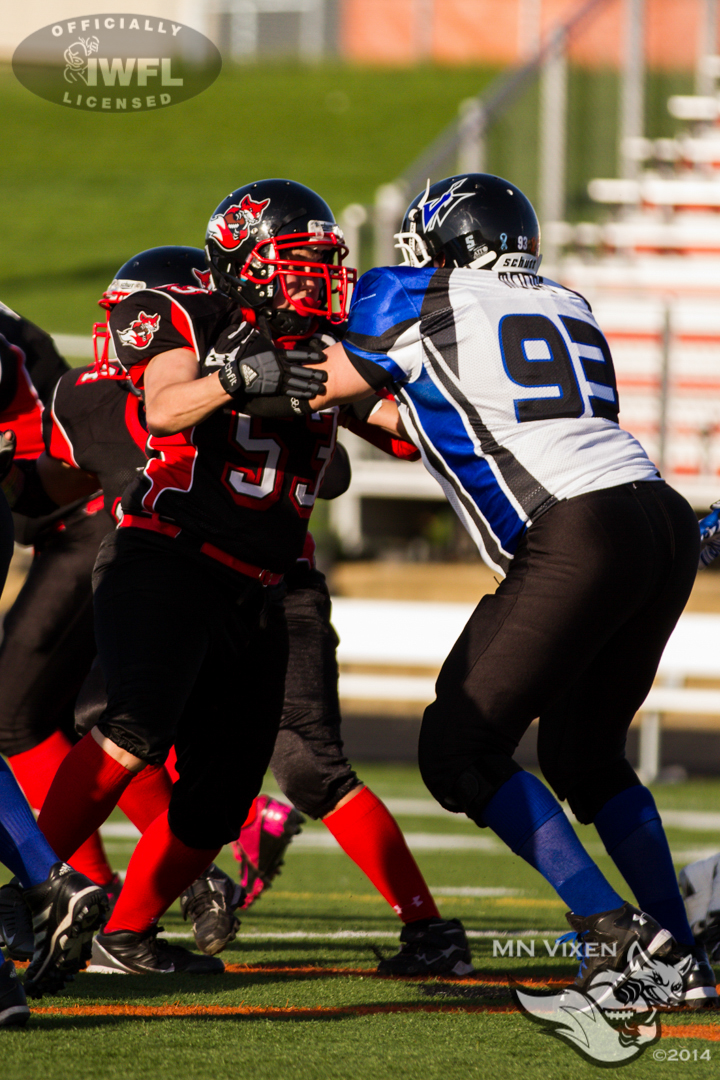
point(651, 271)
point(391, 651)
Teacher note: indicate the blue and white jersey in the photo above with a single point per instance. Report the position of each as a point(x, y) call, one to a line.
point(505, 383)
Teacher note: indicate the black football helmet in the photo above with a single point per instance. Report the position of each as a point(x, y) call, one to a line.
point(256, 243)
point(475, 220)
point(184, 268)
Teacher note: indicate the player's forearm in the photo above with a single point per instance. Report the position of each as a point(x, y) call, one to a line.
point(387, 418)
point(344, 383)
point(177, 406)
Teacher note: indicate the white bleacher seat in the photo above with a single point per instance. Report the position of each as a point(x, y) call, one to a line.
point(694, 107)
point(388, 634)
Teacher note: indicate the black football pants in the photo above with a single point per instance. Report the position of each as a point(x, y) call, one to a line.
point(308, 761)
point(573, 635)
point(195, 656)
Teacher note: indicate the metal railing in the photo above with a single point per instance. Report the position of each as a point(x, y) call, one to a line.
point(463, 142)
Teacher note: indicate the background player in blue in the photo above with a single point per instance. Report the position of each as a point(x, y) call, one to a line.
point(506, 384)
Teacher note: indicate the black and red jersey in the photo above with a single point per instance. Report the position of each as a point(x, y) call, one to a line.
point(97, 425)
point(44, 363)
point(243, 484)
point(20, 406)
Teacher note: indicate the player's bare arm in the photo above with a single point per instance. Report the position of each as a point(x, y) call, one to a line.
point(344, 383)
point(175, 395)
point(387, 417)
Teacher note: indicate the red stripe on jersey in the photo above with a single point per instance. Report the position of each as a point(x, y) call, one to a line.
point(182, 323)
point(308, 552)
point(24, 413)
point(174, 469)
point(59, 445)
point(132, 421)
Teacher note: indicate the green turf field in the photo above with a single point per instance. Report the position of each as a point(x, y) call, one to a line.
point(80, 193)
point(300, 1001)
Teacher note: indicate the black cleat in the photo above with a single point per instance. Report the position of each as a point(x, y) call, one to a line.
point(700, 991)
point(210, 903)
point(14, 1010)
point(66, 910)
point(430, 947)
point(124, 952)
point(604, 940)
point(16, 928)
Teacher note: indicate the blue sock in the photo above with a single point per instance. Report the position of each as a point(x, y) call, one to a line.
point(631, 830)
point(23, 848)
point(528, 817)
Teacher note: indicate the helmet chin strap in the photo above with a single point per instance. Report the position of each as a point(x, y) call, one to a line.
point(481, 261)
point(285, 322)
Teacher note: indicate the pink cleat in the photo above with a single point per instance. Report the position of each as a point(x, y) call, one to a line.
point(261, 845)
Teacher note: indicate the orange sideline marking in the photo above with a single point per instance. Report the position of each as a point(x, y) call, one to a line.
point(369, 973)
point(709, 1032)
point(262, 1011)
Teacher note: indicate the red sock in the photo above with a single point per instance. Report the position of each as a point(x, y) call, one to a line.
point(35, 771)
point(367, 832)
point(160, 869)
point(84, 792)
point(147, 796)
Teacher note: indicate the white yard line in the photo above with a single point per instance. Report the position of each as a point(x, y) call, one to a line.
point(361, 935)
point(313, 840)
point(471, 890)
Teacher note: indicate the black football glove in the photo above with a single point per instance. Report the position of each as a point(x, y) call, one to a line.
point(8, 443)
point(273, 374)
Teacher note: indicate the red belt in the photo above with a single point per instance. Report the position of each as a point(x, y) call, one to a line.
point(155, 524)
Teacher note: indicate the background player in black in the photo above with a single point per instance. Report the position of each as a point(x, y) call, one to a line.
point(65, 906)
point(97, 424)
point(48, 644)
